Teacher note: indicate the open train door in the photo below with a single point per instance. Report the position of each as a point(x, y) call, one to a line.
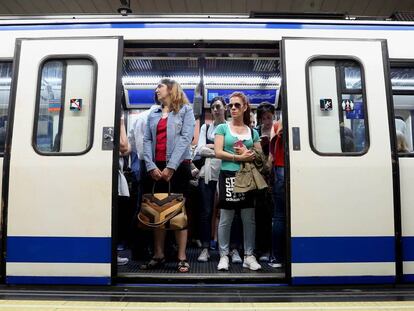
point(340, 161)
point(60, 164)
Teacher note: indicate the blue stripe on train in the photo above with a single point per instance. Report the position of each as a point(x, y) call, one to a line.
point(408, 278)
point(314, 280)
point(58, 280)
point(408, 248)
point(58, 249)
point(343, 249)
point(169, 25)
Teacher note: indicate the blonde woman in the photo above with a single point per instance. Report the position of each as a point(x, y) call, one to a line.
point(168, 135)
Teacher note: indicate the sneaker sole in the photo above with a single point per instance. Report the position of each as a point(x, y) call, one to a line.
point(274, 265)
point(202, 260)
point(250, 268)
point(223, 269)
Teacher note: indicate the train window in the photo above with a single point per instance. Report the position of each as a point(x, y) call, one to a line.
point(402, 81)
point(352, 77)
point(337, 111)
point(64, 107)
point(5, 83)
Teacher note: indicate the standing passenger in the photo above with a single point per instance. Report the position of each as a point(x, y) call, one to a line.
point(142, 240)
point(209, 173)
point(167, 155)
point(279, 213)
point(265, 113)
point(232, 144)
point(123, 192)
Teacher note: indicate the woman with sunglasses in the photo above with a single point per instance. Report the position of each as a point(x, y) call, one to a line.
point(209, 172)
point(232, 145)
point(168, 135)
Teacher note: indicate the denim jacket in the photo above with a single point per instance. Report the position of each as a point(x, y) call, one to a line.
point(180, 132)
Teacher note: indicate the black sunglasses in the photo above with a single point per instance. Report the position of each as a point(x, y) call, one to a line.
point(216, 106)
point(235, 105)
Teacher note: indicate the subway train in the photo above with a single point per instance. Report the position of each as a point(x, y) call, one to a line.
point(64, 83)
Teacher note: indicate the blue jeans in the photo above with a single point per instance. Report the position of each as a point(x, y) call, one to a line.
point(207, 192)
point(279, 215)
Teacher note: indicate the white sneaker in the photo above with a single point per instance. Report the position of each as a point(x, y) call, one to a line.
point(223, 263)
point(274, 263)
point(122, 261)
point(251, 263)
point(204, 255)
point(235, 257)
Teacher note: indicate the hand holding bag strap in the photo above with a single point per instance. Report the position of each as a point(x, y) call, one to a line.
point(169, 188)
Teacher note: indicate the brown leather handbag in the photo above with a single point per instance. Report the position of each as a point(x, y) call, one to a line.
point(163, 210)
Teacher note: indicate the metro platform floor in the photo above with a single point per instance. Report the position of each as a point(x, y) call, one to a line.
point(18, 305)
point(206, 297)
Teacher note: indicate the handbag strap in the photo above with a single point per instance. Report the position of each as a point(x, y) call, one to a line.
point(169, 188)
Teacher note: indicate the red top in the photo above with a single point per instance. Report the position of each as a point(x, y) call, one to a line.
point(161, 141)
point(277, 148)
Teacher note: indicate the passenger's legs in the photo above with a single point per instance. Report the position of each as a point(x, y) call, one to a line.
point(224, 228)
point(279, 215)
point(263, 212)
point(159, 239)
point(181, 239)
point(207, 192)
point(249, 230)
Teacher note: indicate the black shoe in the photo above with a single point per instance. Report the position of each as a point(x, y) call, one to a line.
point(154, 263)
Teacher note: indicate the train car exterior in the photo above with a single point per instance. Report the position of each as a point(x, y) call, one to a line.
point(349, 213)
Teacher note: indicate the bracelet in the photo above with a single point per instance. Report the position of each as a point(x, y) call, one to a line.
point(233, 157)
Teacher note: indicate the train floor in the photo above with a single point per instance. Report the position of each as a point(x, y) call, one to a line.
point(200, 270)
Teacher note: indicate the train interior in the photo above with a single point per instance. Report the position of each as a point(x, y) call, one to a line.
point(220, 69)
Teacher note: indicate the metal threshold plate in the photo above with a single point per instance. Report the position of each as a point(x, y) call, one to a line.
point(200, 270)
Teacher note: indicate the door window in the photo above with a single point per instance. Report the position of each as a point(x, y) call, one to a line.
point(337, 108)
point(5, 84)
point(402, 81)
point(65, 105)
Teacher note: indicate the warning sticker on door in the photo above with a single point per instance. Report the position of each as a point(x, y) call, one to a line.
point(76, 104)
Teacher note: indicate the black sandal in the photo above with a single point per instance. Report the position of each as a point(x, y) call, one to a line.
point(154, 263)
point(183, 266)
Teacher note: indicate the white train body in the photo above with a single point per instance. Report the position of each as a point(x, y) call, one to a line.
point(350, 215)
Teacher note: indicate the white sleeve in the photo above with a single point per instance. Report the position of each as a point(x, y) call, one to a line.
point(131, 137)
point(201, 139)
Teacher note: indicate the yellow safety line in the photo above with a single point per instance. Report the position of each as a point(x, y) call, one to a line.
point(99, 305)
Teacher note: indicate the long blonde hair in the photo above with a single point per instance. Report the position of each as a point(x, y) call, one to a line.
point(177, 95)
